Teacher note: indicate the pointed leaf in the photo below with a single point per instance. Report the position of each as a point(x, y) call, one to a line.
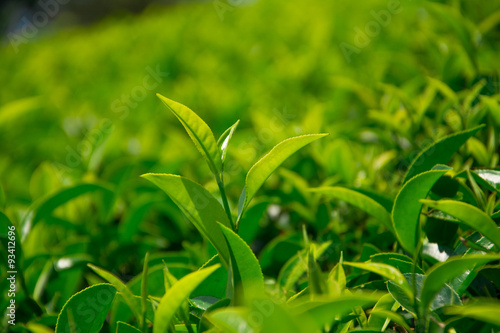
point(176, 296)
point(224, 139)
point(439, 152)
point(486, 310)
point(122, 327)
point(406, 210)
point(78, 315)
point(470, 215)
point(387, 271)
point(440, 273)
point(199, 132)
point(126, 293)
point(199, 206)
point(359, 200)
point(245, 266)
point(261, 170)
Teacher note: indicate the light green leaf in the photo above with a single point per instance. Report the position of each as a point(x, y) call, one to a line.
point(199, 206)
point(359, 200)
point(386, 303)
point(261, 170)
point(78, 315)
point(394, 316)
point(406, 210)
point(387, 271)
point(244, 265)
point(199, 132)
point(470, 215)
point(231, 320)
point(224, 139)
point(486, 310)
point(324, 312)
point(490, 178)
point(176, 296)
point(122, 327)
point(439, 152)
point(440, 273)
point(126, 293)
point(50, 204)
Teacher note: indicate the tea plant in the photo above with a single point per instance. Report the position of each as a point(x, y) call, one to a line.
point(439, 278)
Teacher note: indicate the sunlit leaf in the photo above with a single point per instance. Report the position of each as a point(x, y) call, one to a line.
point(406, 210)
point(86, 311)
point(176, 296)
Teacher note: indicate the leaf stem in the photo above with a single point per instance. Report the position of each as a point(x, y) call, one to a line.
point(220, 183)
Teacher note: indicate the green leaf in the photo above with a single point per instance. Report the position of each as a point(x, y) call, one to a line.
point(325, 311)
point(86, 311)
point(176, 296)
point(244, 265)
point(402, 262)
point(48, 206)
point(224, 139)
point(469, 215)
point(491, 178)
point(387, 271)
point(199, 132)
point(127, 295)
point(439, 152)
point(144, 290)
point(445, 296)
point(359, 200)
point(440, 273)
point(395, 317)
point(199, 206)
point(261, 170)
point(406, 210)
point(486, 310)
point(379, 323)
point(122, 327)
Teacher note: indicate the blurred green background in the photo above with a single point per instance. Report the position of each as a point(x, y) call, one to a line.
point(78, 105)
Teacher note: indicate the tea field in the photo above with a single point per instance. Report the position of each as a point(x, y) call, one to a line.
point(253, 166)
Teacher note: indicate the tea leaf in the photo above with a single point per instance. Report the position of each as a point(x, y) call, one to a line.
point(199, 132)
point(439, 152)
point(176, 295)
point(359, 200)
point(199, 206)
point(440, 273)
point(77, 315)
point(486, 310)
point(406, 210)
point(224, 139)
point(470, 215)
point(245, 266)
point(122, 327)
point(126, 293)
point(261, 170)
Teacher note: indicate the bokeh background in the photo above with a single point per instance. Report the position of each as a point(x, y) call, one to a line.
point(77, 105)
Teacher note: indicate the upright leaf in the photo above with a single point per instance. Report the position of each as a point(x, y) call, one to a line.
point(470, 215)
point(175, 297)
point(199, 132)
point(224, 139)
point(406, 210)
point(86, 311)
point(359, 200)
point(261, 170)
point(440, 273)
point(244, 265)
point(199, 206)
point(439, 152)
point(126, 293)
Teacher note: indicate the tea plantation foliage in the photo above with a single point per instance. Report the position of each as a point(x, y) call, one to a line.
point(377, 210)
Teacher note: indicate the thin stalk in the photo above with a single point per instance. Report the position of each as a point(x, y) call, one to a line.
point(220, 183)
